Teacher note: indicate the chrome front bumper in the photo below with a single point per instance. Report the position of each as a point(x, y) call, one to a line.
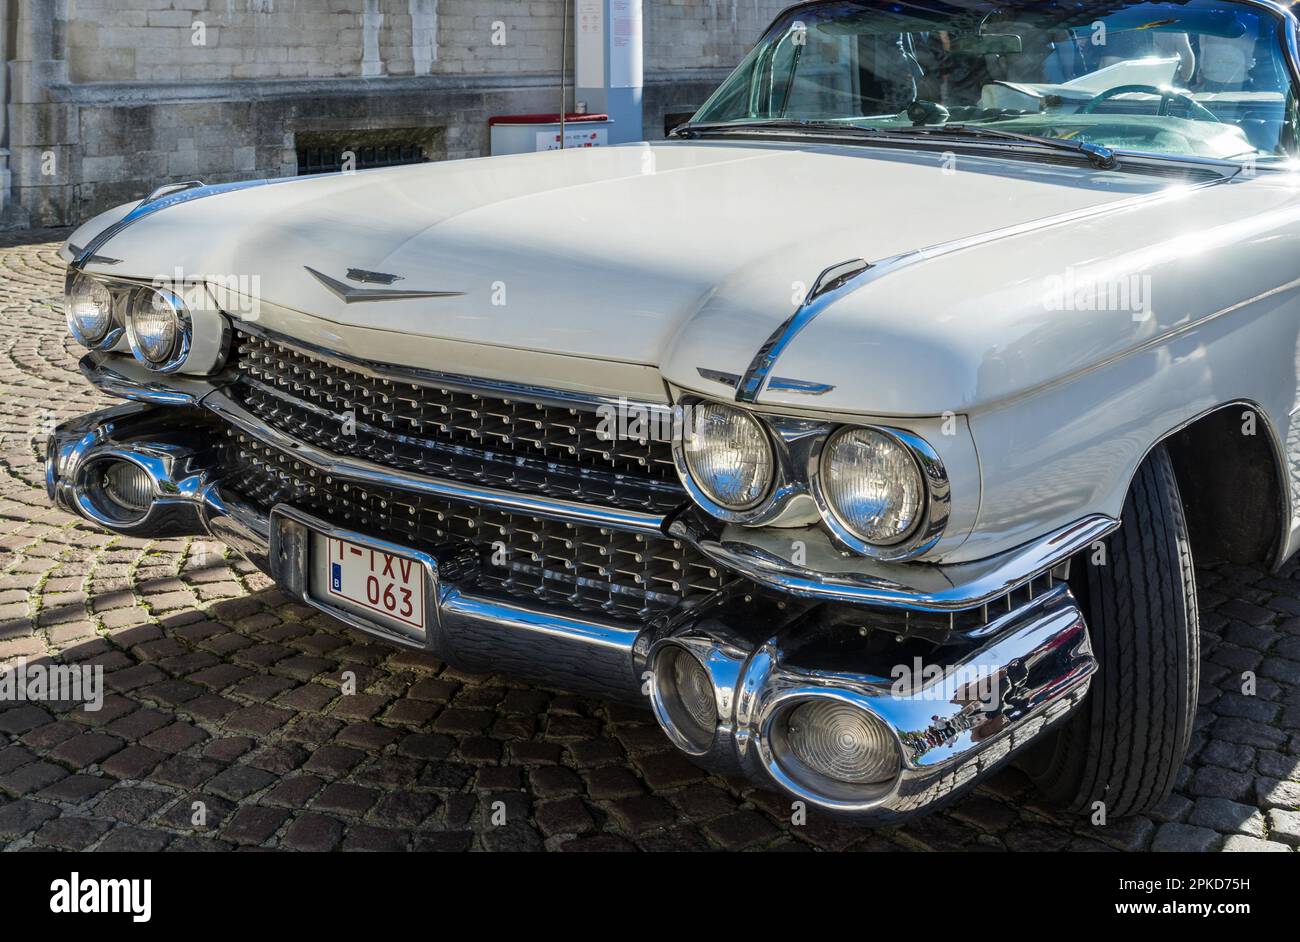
point(1038, 654)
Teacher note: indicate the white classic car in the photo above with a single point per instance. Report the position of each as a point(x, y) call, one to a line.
point(866, 429)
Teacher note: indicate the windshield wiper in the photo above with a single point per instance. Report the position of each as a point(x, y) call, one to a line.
point(774, 124)
point(1103, 158)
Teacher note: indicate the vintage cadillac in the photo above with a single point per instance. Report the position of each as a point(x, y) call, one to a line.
point(866, 429)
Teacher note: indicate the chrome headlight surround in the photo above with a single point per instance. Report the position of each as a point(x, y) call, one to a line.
point(935, 505)
point(116, 327)
point(796, 495)
point(789, 772)
point(203, 331)
point(182, 340)
point(757, 511)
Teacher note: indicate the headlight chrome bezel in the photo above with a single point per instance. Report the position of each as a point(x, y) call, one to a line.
point(116, 328)
point(932, 516)
point(699, 491)
point(184, 330)
point(798, 445)
point(203, 332)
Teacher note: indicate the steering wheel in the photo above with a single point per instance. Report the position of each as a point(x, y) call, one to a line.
point(1167, 93)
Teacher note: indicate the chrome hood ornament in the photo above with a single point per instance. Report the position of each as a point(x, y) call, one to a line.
point(350, 294)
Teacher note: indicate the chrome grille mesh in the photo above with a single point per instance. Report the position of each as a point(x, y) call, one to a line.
point(426, 427)
point(570, 565)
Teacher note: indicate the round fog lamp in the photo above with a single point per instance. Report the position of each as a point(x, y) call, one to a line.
point(115, 491)
point(842, 742)
point(127, 485)
point(90, 310)
point(872, 485)
point(685, 699)
point(154, 325)
point(728, 455)
point(695, 691)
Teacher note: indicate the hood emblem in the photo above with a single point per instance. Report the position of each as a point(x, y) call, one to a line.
point(372, 277)
point(803, 387)
point(350, 294)
point(77, 253)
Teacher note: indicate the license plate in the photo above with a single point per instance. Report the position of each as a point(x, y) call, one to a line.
point(385, 586)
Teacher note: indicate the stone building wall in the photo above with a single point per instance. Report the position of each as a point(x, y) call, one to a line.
point(108, 98)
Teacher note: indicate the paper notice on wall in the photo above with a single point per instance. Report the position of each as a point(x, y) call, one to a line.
point(574, 136)
point(589, 52)
point(625, 65)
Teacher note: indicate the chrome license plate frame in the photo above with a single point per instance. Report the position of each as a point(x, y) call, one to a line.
point(297, 543)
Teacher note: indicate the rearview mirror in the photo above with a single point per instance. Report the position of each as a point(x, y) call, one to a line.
point(988, 44)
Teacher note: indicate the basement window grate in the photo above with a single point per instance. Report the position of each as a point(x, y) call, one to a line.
point(327, 152)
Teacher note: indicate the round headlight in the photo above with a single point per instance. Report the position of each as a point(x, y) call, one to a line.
point(842, 743)
point(154, 325)
point(873, 485)
point(90, 310)
point(728, 455)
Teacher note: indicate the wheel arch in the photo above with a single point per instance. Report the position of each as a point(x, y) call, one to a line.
point(1231, 473)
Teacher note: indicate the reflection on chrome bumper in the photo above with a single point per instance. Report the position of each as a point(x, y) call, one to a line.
point(940, 736)
point(955, 720)
point(826, 574)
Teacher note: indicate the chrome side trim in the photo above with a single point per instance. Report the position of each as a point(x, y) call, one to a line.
point(352, 469)
point(349, 294)
point(826, 574)
point(756, 378)
point(166, 188)
point(826, 290)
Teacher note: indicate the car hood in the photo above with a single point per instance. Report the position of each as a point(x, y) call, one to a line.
point(681, 256)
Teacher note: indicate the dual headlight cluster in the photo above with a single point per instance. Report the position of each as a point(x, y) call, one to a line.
point(155, 321)
point(871, 486)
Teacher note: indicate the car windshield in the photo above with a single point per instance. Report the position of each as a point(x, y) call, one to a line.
point(1200, 78)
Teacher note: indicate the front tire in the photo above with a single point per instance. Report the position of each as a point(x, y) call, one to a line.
point(1125, 745)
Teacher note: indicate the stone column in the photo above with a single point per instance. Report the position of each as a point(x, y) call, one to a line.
point(42, 130)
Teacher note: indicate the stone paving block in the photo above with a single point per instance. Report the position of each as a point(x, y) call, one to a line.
point(72, 833)
point(253, 824)
point(21, 818)
point(1184, 837)
point(1240, 843)
point(313, 832)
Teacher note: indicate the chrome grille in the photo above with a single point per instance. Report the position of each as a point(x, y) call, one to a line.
point(565, 565)
point(447, 429)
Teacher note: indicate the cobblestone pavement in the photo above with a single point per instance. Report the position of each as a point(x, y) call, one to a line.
point(223, 691)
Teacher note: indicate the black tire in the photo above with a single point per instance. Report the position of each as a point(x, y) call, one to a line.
point(1125, 745)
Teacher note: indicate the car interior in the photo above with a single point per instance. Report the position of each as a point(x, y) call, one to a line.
point(1199, 78)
